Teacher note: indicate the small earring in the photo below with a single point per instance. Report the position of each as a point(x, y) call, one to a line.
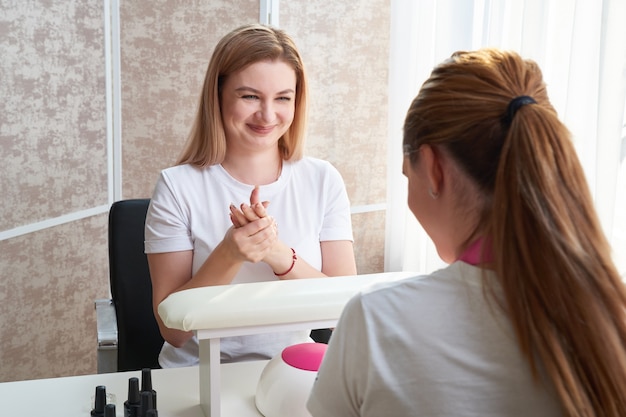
point(432, 194)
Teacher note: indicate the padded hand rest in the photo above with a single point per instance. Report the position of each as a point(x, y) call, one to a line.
point(266, 303)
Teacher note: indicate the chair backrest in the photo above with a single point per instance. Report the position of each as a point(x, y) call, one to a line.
point(139, 339)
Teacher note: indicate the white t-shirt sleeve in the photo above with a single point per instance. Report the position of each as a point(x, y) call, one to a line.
point(167, 222)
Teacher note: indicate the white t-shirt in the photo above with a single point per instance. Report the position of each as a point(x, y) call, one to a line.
point(189, 210)
point(428, 346)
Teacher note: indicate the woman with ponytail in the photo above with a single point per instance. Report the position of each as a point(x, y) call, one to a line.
point(529, 317)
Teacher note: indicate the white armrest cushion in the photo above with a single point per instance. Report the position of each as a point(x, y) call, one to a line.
point(266, 303)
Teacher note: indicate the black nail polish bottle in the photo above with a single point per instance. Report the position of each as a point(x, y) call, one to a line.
point(133, 404)
point(99, 402)
point(146, 385)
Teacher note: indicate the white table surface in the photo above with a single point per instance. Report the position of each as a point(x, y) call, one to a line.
point(177, 392)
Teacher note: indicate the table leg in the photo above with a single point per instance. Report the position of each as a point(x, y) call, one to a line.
point(210, 377)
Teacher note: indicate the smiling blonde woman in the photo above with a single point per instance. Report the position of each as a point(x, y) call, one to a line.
point(243, 204)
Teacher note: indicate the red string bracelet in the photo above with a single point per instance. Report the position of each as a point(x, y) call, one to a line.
point(293, 262)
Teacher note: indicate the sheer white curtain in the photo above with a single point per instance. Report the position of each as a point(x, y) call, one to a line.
point(581, 48)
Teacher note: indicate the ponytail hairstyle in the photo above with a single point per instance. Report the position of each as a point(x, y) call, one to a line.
point(244, 46)
point(489, 110)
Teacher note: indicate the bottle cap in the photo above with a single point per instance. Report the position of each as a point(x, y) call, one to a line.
point(133, 391)
point(100, 401)
point(109, 410)
point(146, 403)
point(146, 379)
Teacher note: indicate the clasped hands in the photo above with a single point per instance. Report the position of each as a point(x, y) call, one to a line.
point(254, 233)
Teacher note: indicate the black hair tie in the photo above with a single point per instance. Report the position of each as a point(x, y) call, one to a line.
point(514, 106)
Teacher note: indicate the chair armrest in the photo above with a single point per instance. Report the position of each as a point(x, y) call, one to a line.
point(106, 324)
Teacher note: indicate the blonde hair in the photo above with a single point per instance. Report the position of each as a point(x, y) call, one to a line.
point(246, 45)
point(561, 289)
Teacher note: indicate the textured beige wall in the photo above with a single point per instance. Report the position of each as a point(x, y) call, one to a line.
point(54, 148)
point(53, 126)
point(49, 280)
point(54, 163)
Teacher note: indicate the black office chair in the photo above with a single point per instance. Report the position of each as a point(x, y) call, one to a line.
point(138, 338)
